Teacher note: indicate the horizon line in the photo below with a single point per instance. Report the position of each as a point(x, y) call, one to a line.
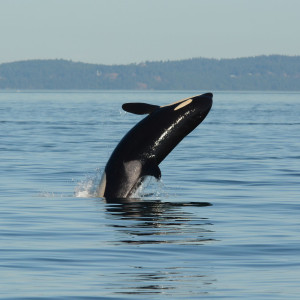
point(145, 61)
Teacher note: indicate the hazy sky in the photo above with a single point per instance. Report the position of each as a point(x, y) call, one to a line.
point(126, 31)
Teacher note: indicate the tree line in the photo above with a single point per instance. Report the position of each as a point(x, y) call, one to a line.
point(274, 72)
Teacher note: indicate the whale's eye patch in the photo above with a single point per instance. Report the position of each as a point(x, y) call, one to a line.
point(184, 103)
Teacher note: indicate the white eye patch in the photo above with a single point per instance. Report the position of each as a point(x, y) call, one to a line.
point(179, 101)
point(182, 104)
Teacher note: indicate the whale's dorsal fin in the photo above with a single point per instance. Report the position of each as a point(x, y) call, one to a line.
point(139, 108)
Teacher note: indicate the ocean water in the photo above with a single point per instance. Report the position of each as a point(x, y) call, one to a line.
point(223, 223)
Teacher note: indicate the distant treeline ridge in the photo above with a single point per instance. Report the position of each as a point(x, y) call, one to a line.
point(274, 72)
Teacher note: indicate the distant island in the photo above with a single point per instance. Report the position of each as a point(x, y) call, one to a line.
point(273, 73)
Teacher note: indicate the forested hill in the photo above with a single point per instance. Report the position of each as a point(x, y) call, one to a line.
point(273, 72)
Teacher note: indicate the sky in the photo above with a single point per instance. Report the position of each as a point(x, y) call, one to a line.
point(135, 31)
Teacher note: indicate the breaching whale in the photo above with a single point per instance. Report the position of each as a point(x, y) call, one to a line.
point(147, 144)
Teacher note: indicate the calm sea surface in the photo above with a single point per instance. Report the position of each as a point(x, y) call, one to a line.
point(224, 222)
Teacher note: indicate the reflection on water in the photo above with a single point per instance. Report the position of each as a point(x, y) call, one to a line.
point(162, 233)
point(156, 222)
point(159, 222)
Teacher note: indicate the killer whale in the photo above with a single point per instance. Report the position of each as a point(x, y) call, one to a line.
point(146, 145)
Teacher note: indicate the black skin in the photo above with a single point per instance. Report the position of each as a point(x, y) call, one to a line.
point(147, 144)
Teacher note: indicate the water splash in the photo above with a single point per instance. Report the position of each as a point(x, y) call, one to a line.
point(44, 194)
point(149, 189)
point(87, 187)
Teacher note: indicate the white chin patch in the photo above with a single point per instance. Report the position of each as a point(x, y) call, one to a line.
point(102, 186)
point(183, 104)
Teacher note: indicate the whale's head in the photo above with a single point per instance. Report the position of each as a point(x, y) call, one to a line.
point(197, 106)
point(191, 110)
point(167, 125)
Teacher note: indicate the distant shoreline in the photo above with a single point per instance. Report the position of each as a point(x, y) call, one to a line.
point(259, 73)
point(192, 92)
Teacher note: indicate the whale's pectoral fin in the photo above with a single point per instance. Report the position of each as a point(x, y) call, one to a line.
point(154, 170)
point(139, 108)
